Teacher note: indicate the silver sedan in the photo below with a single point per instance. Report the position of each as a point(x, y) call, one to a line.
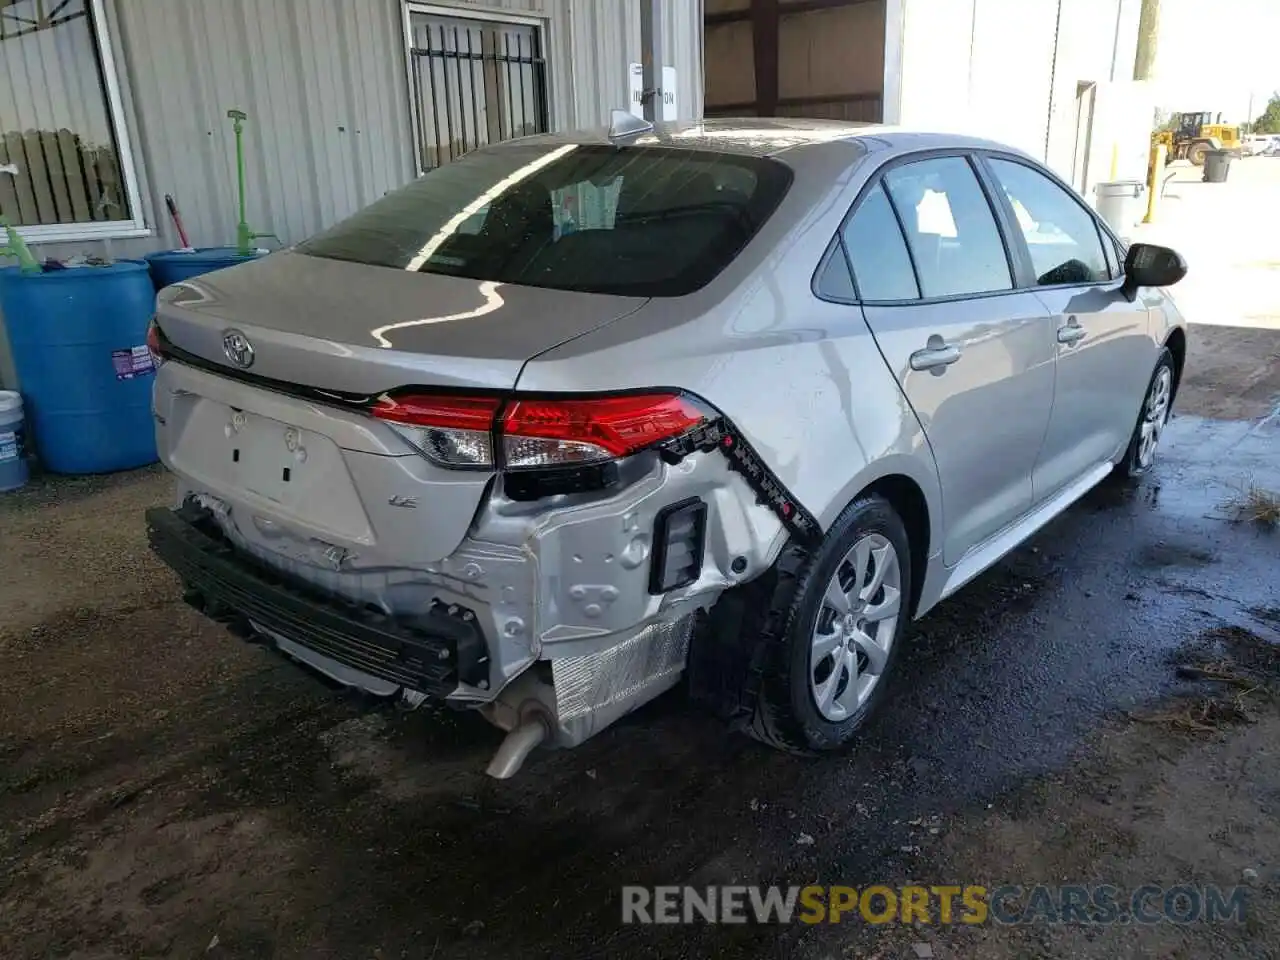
point(578, 417)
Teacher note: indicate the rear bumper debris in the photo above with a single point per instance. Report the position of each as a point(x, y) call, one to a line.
point(429, 653)
point(553, 617)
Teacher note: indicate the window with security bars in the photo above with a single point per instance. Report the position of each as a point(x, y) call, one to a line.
point(62, 173)
point(475, 82)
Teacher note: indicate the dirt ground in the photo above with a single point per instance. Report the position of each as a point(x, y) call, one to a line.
point(1185, 792)
point(169, 791)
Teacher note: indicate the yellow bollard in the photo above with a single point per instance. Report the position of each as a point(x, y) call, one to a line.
point(1155, 178)
point(1115, 160)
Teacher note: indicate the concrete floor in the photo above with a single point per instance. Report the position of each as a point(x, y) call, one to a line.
point(168, 791)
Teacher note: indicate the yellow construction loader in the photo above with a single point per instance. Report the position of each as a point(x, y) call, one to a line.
point(1191, 135)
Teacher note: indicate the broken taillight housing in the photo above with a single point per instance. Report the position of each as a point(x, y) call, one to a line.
point(452, 431)
point(155, 345)
point(537, 433)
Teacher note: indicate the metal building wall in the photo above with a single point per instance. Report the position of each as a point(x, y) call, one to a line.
point(606, 36)
point(979, 66)
point(1010, 69)
point(325, 85)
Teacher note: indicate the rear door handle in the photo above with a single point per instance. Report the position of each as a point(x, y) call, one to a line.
point(936, 357)
point(1072, 332)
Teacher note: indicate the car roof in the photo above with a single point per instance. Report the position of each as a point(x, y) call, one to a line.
point(796, 137)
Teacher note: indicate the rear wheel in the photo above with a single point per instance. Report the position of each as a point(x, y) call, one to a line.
point(1196, 152)
point(1156, 407)
point(839, 630)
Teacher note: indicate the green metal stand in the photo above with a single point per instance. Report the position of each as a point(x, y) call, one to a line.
point(245, 235)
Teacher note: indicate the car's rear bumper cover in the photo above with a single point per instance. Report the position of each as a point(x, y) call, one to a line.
point(428, 653)
point(567, 580)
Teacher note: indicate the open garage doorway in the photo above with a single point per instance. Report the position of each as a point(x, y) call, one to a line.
point(795, 58)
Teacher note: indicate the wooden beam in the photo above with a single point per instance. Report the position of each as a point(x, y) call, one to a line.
point(764, 42)
point(798, 6)
point(728, 108)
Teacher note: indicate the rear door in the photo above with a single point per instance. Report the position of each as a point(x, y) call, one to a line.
point(1103, 343)
point(974, 355)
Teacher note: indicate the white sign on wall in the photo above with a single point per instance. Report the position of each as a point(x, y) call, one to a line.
point(635, 84)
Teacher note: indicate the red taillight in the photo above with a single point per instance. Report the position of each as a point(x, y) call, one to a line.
point(154, 343)
point(552, 432)
point(458, 431)
point(451, 413)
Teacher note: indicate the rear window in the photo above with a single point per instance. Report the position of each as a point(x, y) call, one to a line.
point(635, 221)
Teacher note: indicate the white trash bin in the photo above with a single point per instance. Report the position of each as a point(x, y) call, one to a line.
point(1122, 203)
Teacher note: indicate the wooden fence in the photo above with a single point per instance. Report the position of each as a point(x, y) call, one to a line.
point(60, 179)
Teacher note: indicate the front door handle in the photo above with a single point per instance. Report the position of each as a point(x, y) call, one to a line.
point(937, 356)
point(1072, 332)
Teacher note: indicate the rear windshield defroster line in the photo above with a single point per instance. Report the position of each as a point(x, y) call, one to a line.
point(644, 221)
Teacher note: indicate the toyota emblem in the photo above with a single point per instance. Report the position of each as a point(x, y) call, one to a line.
point(238, 349)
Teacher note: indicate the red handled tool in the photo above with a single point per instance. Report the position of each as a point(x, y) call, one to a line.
point(177, 220)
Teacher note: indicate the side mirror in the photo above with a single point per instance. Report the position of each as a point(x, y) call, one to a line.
point(1150, 265)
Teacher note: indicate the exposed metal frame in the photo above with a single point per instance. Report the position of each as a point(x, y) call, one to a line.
point(545, 26)
point(136, 225)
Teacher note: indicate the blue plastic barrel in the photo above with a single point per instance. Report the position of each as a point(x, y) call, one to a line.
point(172, 266)
point(79, 343)
point(13, 460)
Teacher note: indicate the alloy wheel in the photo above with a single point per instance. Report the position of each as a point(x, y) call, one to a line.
point(1154, 416)
point(855, 628)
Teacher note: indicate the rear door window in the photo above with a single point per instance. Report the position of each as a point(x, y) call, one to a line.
point(637, 220)
point(950, 228)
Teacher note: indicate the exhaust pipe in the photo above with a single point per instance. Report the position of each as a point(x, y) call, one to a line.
point(517, 745)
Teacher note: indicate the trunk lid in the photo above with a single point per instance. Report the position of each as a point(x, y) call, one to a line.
point(313, 489)
point(357, 328)
point(321, 488)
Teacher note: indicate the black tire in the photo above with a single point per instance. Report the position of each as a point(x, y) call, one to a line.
point(1131, 465)
point(785, 714)
point(1196, 152)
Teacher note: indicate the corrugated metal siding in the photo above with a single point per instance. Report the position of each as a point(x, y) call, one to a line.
point(325, 85)
point(606, 35)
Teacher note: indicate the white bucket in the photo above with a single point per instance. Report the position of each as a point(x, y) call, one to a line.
point(13, 463)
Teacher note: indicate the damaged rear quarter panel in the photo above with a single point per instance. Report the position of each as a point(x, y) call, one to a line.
point(573, 573)
point(801, 378)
